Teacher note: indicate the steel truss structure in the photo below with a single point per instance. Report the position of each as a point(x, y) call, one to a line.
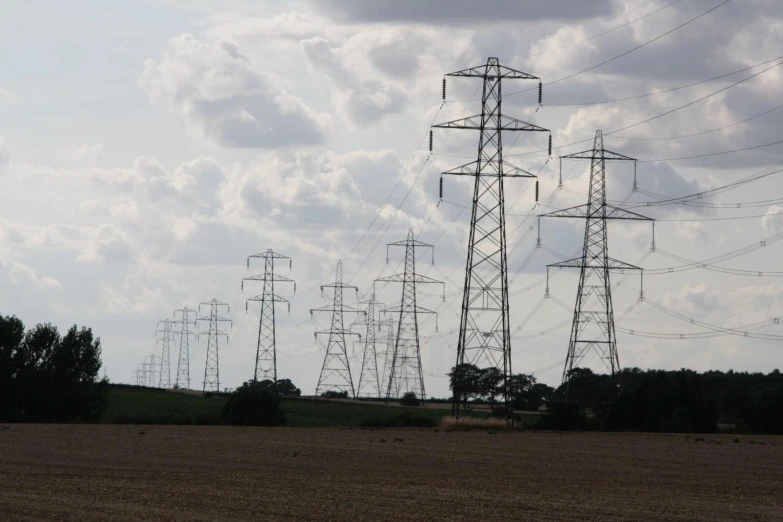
point(212, 367)
point(484, 333)
point(266, 351)
point(336, 370)
point(405, 372)
point(593, 325)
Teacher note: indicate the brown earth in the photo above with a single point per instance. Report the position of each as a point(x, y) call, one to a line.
point(100, 473)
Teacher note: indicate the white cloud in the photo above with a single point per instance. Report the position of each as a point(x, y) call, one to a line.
point(23, 276)
point(5, 157)
point(772, 222)
point(7, 96)
point(216, 89)
point(363, 101)
point(85, 154)
point(109, 245)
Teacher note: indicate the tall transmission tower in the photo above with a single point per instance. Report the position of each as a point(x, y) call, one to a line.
point(593, 325)
point(185, 332)
point(164, 380)
point(369, 384)
point(266, 352)
point(405, 374)
point(484, 333)
point(388, 353)
point(211, 367)
point(336, 370)
point(149, 370)
point(137, 376)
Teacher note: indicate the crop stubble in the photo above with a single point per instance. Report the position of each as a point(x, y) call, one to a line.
point(97, 473)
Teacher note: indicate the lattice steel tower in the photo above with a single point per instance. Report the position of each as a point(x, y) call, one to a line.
point(593, 325)
point(369, 384)
point(484, 334)
point(183, 363)
point(405, 374)
point(164, 380)
point(266, 352)
point(336, 370)
point(212, 368)
point(387, 356)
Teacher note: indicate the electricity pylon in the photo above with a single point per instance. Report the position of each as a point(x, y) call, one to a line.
point(593, 325)
point(164, 380)
point(369, 378)
point(266, 352)
point(405, 374)
point(183, 362)
point(336, 370)
point(149, 370)
point(137, 376)
point(484, 333)
point(387, 356)
point(211, 368)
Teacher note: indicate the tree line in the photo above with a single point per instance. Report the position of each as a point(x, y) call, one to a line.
point(48, 377)
point(485, 385)
point(635, 399)
point(679, 400)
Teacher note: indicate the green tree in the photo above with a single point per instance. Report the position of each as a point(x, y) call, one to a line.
point(490, 384)
point(73, 366)
point(409, 399)
point(44, 377)
point(464, 382)
point(334, 394)
point(11, 336)
point(253, 404)
point(286, 388)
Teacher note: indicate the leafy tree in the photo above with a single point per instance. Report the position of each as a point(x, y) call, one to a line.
point(334, 394)
point(11, 336)
point(286, 388)
point(44, 377)
point(409, 399)
point(464, 381)
point(73, 369)
point(253, 404)
point(490, 384)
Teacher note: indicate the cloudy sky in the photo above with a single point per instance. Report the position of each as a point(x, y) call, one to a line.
point(148, 147)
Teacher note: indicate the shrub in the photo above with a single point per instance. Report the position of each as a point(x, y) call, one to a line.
point(334, 394)
point(251, 405)
point(410, 399)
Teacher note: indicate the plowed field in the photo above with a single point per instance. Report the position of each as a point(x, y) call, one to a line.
point(119, 473)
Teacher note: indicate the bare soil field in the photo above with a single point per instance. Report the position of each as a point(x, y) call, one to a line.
point(124, 473)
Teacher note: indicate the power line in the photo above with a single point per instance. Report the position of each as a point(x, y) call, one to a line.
point(711, 154)
point(627, 52)
point(681, 136)
point(626, 24)
point(672, 89)
point(661, 115)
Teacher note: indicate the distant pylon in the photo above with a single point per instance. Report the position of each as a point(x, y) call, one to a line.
point(137, 376)
point(369, 384)
point(405, 374)
point(336, 370)
point(266, 351)
point(387, 356)
point(211, 367)
point(149, 370)
point(484, 333)
point(164, 380)
point(183, 362)
point(593, 325)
